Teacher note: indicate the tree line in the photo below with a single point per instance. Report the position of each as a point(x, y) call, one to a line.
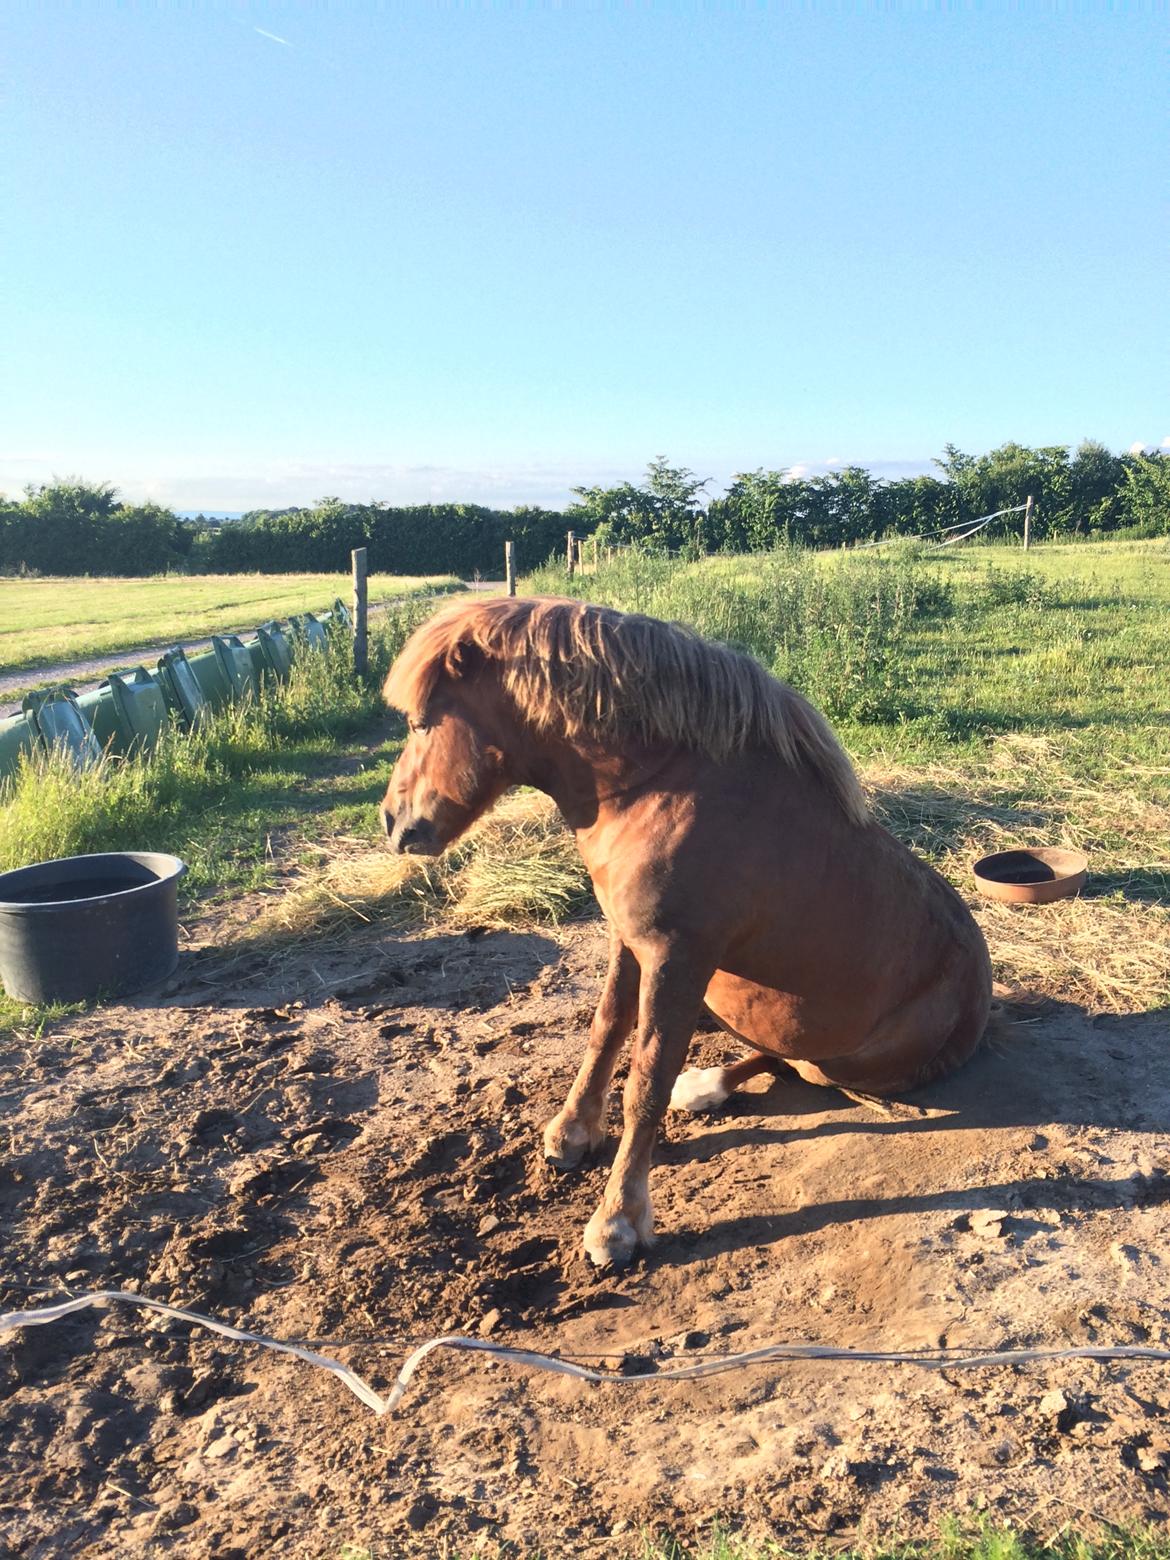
point(73, 527)
point(1089, 491)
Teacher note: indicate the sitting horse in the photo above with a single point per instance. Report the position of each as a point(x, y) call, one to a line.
point(730, 848)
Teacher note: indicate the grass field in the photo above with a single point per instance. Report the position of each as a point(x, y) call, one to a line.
point(45, 621)
point(977, 1540)
point(990, 701)
point(927, 655)
point(234, 799)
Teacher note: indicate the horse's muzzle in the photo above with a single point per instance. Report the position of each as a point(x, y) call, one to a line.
point(410, 839)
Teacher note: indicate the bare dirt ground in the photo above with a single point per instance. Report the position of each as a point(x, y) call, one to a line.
point(345, 1145)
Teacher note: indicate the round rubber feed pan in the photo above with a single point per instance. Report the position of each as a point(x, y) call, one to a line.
point(1031, 877)
point(85, 927)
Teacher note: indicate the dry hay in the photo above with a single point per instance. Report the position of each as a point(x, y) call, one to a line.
point(1108, 949)
point(1110, 957)
point(517, 866)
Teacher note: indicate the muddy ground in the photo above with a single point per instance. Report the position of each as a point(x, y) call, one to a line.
point(344, 1145)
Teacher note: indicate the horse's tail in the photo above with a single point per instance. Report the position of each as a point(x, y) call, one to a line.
point(1013, 1005)
point(1009, 1002)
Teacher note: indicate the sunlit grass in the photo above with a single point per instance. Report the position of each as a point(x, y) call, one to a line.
point(47, 620)
point(975, 1539)
point(991, 699)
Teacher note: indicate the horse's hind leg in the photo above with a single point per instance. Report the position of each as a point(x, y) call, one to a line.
point(578, 1127)
point(706, 1088)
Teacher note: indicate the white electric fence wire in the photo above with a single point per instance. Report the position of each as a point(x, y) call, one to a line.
point(10, 1320)
point(950, 541)
point(53, 1313)
point(944, 530)
point(774, 1352)
point(1016, 509)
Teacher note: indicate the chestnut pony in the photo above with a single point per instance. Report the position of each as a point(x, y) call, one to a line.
point(730, 848)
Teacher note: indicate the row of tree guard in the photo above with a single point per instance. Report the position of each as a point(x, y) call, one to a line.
point(129, 711)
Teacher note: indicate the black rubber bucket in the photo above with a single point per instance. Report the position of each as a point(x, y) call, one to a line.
point(89, 926)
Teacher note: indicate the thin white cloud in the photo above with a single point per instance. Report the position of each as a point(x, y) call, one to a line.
point(281, 484)
point(1137, 447)
point(205, 483)
point(274, 36)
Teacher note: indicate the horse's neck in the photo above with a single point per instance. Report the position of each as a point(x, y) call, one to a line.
point(579, 780)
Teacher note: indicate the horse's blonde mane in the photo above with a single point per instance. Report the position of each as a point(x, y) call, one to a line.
point(593, 673)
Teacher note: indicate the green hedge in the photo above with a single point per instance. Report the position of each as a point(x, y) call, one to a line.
point(462, 539)
point(74, 528)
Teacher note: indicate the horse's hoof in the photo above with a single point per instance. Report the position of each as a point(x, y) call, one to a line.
point(610, 1240)
point(566, 1143)
point(699, 1089)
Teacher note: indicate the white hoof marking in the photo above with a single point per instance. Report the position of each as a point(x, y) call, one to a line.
point(698, 1089)
point(567, 1142)
point(610, 1242)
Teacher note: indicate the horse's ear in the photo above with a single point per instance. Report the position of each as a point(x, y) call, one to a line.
point(463, 658)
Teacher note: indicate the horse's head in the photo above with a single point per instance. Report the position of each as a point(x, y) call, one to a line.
point(449, 773)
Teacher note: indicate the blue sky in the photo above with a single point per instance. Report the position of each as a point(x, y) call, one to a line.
point(256, 254)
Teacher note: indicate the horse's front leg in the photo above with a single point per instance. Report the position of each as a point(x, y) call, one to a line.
point(579, 1126)
point(670, 995)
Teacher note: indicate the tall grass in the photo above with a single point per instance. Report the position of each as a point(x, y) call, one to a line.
point(50, 808)
point(839, 634)
point(990, 702)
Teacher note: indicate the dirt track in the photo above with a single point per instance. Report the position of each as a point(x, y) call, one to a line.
point(347, 1147)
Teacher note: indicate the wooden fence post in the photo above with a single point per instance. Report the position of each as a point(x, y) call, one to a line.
point(581, 556)
point(510, 566)
point(595, 555)
point(570, 552)
point(1027, 522)
point(361, 653)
